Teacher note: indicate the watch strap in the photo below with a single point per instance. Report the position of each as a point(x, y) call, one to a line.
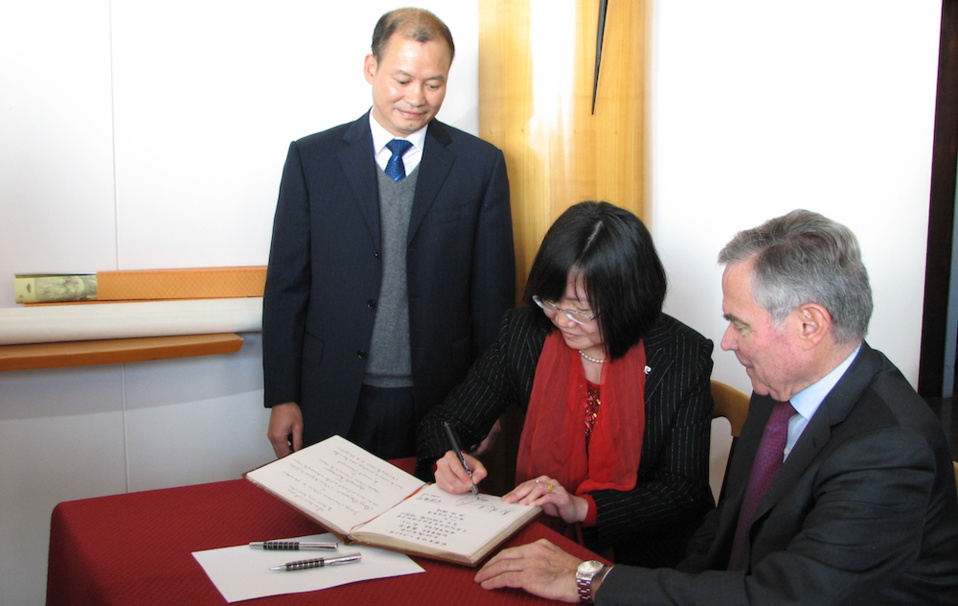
point(583, 582)
point(584, 585)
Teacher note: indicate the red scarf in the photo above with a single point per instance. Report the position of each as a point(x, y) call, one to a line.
point(553, 439)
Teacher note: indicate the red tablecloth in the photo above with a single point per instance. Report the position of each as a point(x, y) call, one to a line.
point(137, 549)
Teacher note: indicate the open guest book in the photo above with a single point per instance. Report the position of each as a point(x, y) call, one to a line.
point(364, 499)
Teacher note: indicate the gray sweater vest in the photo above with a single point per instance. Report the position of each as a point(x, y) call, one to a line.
point(389, 363)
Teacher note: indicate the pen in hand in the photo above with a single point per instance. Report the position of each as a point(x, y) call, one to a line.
point(292, 545)
point(346, 558)
point(454, 442)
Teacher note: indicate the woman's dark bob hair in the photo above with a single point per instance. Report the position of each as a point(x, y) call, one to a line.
point(612, 251)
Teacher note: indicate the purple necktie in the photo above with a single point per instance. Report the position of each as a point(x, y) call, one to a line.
point(395, 167)
point(768, 460)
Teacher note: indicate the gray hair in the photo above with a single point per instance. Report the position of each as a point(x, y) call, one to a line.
point(804, 257)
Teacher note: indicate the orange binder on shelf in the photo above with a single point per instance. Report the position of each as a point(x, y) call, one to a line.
point(188, 283)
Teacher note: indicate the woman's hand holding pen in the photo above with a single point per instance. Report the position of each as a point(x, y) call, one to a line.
point(548, 494)
point(451, 476)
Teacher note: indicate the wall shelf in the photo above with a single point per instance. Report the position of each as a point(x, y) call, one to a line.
point(115, 351)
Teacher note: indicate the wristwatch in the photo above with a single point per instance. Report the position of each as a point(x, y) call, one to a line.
point(584, 575)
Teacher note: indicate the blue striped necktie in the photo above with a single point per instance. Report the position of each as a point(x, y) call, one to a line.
point(395, 168)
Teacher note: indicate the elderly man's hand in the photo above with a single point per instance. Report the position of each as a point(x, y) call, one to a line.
point(540, 568)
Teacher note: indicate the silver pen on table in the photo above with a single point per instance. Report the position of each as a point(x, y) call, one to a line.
point(454, 442)
point(346, 558)
point(292, 545)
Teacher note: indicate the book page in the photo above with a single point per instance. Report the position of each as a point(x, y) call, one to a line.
point(447, 523)
point(336, 482)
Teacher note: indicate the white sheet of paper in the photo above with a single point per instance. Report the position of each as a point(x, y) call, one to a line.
point(242, 573)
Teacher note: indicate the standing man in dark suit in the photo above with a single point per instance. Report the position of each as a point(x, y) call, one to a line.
point(392, 258)
point(863, 508)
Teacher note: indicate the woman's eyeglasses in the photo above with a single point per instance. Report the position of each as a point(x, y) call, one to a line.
point(577, 316)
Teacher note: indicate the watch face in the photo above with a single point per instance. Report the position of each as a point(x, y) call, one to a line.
point(589, 567)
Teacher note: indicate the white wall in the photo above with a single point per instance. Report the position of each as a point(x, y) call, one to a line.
point(152, 134)
point(758, 108)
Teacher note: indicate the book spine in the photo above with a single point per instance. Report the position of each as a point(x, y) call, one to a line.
point(54, 288)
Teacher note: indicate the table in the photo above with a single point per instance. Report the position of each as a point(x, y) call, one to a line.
point(137, 548)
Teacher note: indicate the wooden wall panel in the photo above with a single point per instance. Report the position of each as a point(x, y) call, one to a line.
point(536, 68)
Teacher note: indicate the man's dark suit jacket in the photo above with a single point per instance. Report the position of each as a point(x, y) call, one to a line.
point(325, 269)
point(653, 522)
point(863, 510)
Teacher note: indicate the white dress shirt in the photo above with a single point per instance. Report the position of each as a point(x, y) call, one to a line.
point(381, 137)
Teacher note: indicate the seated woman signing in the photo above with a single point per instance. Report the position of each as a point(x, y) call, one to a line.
point(616, 394)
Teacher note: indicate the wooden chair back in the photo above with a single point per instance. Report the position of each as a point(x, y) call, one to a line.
point(731, 404)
